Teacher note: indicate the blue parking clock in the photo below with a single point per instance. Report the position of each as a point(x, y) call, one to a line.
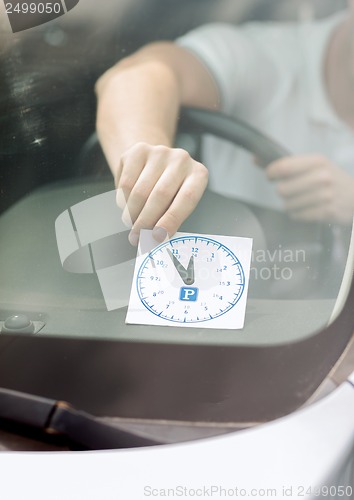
point(190, 279)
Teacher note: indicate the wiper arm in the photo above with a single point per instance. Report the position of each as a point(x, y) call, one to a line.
point(60, 418)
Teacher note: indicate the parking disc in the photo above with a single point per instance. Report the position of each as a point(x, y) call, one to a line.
point(191, 280)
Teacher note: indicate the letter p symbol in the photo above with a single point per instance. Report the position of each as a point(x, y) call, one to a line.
point(188, 294)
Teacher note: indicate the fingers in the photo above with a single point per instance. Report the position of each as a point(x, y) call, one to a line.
point(308, 199)
point(136, 197)
point(313, 181)
point(156, 204)
point(170, 203)
point(290, 166)
point(185, 201)
point(158, 187)
point(131, 165)
point(317, 212)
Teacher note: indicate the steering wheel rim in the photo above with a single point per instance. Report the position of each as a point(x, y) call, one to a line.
point(204, 121)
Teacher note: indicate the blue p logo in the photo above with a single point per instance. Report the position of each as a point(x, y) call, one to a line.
point(189, 294)
point(25, 14)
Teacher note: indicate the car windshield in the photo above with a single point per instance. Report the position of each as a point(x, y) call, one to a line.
point(67, 268)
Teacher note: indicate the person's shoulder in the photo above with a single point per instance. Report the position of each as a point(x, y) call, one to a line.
point(271, 32)
point(211, 31)
point(276, 36)
point(277, 43)
point(271, 37)
point(218, 42)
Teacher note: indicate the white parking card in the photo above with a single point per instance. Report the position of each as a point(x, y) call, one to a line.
point(191, 280)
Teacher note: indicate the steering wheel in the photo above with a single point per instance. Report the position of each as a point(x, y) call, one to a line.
point(202, 121)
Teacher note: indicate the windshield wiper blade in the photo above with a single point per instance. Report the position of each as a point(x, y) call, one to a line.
point(60, 418)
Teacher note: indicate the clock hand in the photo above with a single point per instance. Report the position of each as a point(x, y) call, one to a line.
point(182, 271)
point(190, 272)
point(187, 275)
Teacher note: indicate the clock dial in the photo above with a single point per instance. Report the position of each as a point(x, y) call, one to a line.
point(190, 279)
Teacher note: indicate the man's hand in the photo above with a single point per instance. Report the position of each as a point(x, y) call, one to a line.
point(313, 188)
point(158, 188)
point(137, 113)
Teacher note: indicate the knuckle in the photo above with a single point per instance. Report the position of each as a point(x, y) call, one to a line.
point(162, 191)
point(202, 172)
point(140, 146)
point(126, 183)
point(160, 149)
point(136, 148)
point(191, 196)
point(181, 154)
point(140, 192)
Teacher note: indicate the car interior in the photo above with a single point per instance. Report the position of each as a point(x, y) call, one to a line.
point(66, 353)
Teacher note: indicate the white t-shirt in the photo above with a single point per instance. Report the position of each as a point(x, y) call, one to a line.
point(270, 75)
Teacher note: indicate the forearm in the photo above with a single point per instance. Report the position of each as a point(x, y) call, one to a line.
point(139, 98)
point(137, 103)
point(158, 186)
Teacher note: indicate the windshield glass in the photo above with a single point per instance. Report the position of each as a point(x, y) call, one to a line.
point(260, 253)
